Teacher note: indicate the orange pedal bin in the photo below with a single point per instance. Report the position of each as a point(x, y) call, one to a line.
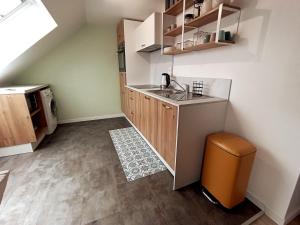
point(227, 165)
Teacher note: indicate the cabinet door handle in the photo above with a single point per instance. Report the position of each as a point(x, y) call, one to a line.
point(146, 97)
point(166, 107)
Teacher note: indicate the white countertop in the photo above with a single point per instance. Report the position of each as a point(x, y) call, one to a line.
point(21, 89)
point(178, 103)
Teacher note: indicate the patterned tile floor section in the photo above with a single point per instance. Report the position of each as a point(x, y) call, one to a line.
point(137, 158)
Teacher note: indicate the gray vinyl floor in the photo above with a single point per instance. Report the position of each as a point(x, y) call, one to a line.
point(76, 178)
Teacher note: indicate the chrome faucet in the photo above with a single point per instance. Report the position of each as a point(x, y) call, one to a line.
point(186, 89)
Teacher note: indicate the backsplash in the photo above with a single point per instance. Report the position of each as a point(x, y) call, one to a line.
point(211, 87)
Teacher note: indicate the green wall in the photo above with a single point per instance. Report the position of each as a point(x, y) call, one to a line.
point(82, 72)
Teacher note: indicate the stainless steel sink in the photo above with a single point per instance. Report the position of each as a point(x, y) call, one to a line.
point(177, 95)
point(166, 92)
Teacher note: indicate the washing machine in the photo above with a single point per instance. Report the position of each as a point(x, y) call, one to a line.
point(50, 109)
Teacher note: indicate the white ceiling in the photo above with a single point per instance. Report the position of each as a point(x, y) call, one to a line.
point(71, 15)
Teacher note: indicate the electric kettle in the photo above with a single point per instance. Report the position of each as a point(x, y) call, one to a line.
point(165, 80)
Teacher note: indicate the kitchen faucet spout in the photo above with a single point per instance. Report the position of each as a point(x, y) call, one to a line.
point(186, 89)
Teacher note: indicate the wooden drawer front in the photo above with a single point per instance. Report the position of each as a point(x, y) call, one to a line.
point(131, 96)
point(137, 110)
point(134, 107)
point(126, 102)
point(16, 125)
point(149, 119)
point(167, 132)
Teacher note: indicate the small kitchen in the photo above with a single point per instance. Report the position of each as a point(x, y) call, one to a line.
point(151, 116)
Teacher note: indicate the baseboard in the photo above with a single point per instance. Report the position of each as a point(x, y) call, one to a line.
point(254, 218)
point(16, 150)
point(255, 201)
point(83, 119)
point(292, 215)
point(270, 213)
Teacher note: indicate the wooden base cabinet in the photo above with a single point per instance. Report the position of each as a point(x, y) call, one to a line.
point(16, 125)
point(148, 125)
point(167, 132)
point(157, 121)
point(176, 132)
point(22, 119)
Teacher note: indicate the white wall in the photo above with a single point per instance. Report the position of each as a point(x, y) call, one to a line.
point(264, 104)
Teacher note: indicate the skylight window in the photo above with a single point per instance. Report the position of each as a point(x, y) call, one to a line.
point(8, 6)
point(21, 28)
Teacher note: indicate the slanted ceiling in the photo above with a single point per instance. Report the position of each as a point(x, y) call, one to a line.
point(70, 16)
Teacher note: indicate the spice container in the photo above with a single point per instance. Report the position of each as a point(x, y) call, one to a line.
point(228, 36)
point(207, 38)
point(222, 35)
point(188, 18)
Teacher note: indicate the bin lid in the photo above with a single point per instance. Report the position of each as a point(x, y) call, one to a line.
point(232, 143)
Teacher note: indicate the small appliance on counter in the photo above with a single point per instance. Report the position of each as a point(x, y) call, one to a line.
point(165, 81)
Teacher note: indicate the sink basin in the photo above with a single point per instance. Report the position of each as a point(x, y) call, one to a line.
point(166, 92)
point(177, 95)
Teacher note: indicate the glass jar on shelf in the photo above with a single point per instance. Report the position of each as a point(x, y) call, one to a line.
point(188, 44)
point(200, 37)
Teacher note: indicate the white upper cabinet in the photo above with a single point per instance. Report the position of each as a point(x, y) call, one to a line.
point(148, 34)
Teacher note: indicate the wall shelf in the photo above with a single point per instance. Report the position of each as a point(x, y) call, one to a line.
point(200, 21)
point(35, 112)
point(177, 8)
point(200, 47)
point(177, 52)
point(212, 16)
point(210, 45)
point(178, 31)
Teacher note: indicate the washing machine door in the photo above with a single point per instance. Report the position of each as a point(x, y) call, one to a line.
point(53, 108)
